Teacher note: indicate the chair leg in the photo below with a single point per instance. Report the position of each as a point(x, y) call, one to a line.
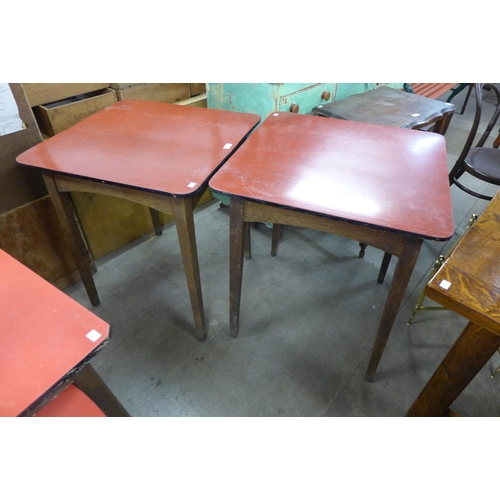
point(362, 248)
point(418, 306)
point(383, 268)
point(437, 264)
point(497, 371)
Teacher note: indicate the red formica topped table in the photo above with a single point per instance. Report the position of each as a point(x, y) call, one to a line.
point(160, 155)
point(385, 186)
point(45, 338)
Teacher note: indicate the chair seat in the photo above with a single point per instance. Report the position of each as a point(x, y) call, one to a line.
point(71, 402)
point(485, 162)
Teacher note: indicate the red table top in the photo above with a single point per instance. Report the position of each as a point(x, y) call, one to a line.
point(154, 146)
point(375, 175)
point(43, 336)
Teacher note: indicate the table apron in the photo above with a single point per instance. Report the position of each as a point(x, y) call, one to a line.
point(161, 202)
point(388, 241)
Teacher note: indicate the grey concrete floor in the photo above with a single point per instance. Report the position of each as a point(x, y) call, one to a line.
point(307, 325)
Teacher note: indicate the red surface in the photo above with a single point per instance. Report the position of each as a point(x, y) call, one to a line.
point(147, 145)
point(72, 402)
point(375, 175)
point(42, 335)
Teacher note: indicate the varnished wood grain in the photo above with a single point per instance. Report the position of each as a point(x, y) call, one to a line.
point(467, 283)
point(468, 355)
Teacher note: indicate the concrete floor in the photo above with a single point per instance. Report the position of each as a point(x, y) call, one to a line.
point(308, 322)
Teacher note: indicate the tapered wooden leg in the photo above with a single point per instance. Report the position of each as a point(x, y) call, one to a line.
point(383, 268)
point(236, 251)
point(73, 237)
point(402, 274)
point(183, 212)
point(89, 381)
point(248, 241)
point(468, 355)
point(155, 217)
point(275, 239)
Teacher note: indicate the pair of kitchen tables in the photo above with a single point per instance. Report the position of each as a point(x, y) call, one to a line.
point(380, 185)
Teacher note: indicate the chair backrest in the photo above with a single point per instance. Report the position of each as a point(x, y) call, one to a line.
point(479, 87)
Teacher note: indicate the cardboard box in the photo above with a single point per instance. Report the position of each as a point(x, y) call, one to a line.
point(56, 117)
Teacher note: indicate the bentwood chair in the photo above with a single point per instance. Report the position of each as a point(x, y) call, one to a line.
point(480, 162)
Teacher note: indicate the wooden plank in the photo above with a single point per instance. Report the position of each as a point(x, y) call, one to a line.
point(159, 92)
point(197, 88)
point(31, 234)
point(432, 90)
point(199, 101)
point(122, 86)
point(43, 93)
point(19, 185)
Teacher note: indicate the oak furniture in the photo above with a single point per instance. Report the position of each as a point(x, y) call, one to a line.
point(46, 342)
point(361, 181)
point(155, 154)
point(467, 283)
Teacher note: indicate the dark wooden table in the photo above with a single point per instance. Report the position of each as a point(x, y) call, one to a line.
point(46, 341)
point(391, 107)
point(468, 283)
point(362, 181)
point(156, 154)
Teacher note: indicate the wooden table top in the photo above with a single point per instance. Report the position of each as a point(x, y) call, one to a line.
point(386, 106)
point(379, 176)
point(469, 280)
point(153, 146)
point(44, 335)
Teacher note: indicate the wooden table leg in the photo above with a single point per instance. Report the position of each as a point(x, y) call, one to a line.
point(183, 212)
point(89, 381)
point(402, 274)
point(155, 218)
point(275, 239)
point(383, 268)
point(73, 236)
point(236, 252)
point(468, 355)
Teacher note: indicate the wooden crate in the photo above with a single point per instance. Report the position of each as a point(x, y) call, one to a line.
point(43, 93)
point(31, 234)
point(56, 117)
point(122, 86)
point(159, 92)
point(199, 101)
point(197, 88)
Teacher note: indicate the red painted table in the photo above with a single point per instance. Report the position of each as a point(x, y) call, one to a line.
point(160, 155)
point(46, 340)
point(385, 186)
